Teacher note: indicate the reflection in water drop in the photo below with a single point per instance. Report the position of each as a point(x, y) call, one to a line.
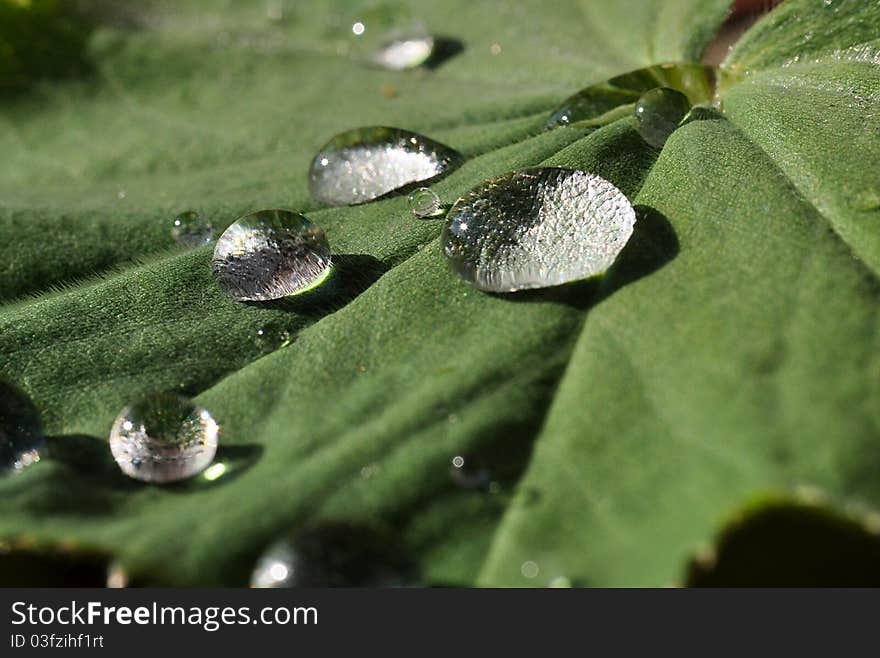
point(21, 434)
point(366, 163)
point(536, 228)
point(332, 555)
point(599, 103)
point(658, 113)
point(271, 254)
point(163, 438)
point(424, 203)
point(192, 229)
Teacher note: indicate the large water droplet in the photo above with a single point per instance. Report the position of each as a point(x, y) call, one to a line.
point(21, 435)
point(163, 438)
point(658, 114)
point(536, 228)
point(332, 555)
point(366, 163)
point(404, 53)
point(600, 103)
point(424, 203)
point(192, 229)
point(271, 254)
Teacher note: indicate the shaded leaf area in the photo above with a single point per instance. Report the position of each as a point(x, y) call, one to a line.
point(40, 39)
point(778, 542)
point(729, 350)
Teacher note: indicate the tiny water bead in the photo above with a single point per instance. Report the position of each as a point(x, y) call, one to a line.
point(404, 53)
point(163, 438)
point(271, 254)
point(468, 474)
point(21, 434)
point(536, 228)
point(270, 340)
point(601, 103)
point(332, 555)
point(424, 203)
point(658, 113)
point(366, 163)
point(192, 229)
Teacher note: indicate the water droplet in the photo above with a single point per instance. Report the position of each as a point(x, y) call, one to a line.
point(270, 340)
point(424, 203)
point(366, 163)
point(404, 53)
point(192, 229)
point(495, 48)
point(332, 555)
point(117, 576)
point(658, 113)
point(601, 103)
point(358, 28)
point(535, 228)
point(21, 434)
point(530, 569)
point(467, 474)
point(163, 438)
point(120, 194)
point(271, 254)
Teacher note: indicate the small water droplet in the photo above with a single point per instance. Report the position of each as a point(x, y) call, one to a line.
point(270, 254)
point(331, 555)
point(560, 582)
point(530, 569)
point(120, 194)
point(535, 228)
point(495, 48)
point(424, 203)
point(21, 434)
point(658, 113)
point(163, 438)
point(270, 340)
point(117, 576)
point(358, 28)
point(602, 102)
point(366, 163)
point(404, 53)
point(468, 475)
point(192, 229)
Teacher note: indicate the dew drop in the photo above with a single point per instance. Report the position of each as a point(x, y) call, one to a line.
point(658, 113)
point(163, 438)
point(366, 163)
point(424, 203)
point(270, 254)
point(192, 229)
point(331, 555)
point(21, 434)
point(535, 228)
point(467, 474)
point(404, 53)
point(601, 103)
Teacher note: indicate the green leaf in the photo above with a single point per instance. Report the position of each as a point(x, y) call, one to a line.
point(729, 350)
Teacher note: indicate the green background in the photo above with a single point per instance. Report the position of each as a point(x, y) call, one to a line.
point(731, 352)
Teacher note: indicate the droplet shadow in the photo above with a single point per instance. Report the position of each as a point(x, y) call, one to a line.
point(351, 275)
point(230, 462)
point(445, 48)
